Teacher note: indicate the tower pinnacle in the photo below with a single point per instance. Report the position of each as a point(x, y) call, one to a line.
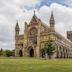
point(52, 22)
point(17, 26)
point(34, 12)
point(52, 17)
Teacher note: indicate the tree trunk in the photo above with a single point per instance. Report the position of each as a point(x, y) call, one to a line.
point(46, 56)
point(49, 56)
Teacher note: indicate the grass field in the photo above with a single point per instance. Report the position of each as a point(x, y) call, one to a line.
point(34, 65)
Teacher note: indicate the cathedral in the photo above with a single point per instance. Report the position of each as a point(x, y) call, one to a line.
point(36, 33)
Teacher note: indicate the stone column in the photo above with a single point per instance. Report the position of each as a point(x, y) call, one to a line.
point(25, 40)
point(17, 51)
point(24, 51)
point(65, 54)
point(68, 53)
point(59, 52)
point(38, 41)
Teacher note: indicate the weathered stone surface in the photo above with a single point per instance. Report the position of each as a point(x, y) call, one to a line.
point(36, 33)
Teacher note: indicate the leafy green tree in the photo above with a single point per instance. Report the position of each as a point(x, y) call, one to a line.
point(49, 48)
point(8, 53)
point(1, 52)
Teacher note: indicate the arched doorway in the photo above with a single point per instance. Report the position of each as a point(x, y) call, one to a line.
point(20, 53)
point(31, 53)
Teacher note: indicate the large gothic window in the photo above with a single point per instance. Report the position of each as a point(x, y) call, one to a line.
point(33, 35)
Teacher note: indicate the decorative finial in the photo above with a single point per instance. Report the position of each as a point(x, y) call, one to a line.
point(34, 12)
point(17, 25)
point(25, 22)
point(52, 21)
point(52, 13)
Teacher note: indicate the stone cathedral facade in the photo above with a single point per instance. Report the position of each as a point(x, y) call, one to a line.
point(36, 33)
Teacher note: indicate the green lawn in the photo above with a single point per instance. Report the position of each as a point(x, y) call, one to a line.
point(34, 65)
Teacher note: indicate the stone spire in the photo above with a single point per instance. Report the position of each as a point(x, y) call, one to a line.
point(34, 12)
point(17, 28)
point(52, 22)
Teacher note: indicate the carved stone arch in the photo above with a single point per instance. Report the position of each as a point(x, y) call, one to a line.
point(20, 53)
point(29, 47)
point(30, 51)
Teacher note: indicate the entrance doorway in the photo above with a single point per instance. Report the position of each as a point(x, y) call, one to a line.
point(31, 52)
point(20, 53)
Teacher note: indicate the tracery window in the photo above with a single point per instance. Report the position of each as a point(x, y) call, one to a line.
point(33, 35)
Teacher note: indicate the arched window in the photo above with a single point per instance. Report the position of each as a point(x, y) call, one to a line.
point(33, 31)
point(33, 35)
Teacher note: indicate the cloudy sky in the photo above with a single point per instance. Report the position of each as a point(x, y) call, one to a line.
point(22, 10)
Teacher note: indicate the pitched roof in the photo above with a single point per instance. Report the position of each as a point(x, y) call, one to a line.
point(34, 19)
point(45, 26)
point(63, 38)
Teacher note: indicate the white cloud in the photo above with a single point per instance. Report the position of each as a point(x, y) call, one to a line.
point(63, 16)
point(45, 14)
point(68, 2)
point(11, 10)
point(27, 3)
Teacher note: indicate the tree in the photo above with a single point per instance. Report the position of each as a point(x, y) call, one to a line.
point(8, 53)
point(1, 52)
point(49, 48)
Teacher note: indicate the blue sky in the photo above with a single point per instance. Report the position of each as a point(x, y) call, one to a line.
point(49, 2)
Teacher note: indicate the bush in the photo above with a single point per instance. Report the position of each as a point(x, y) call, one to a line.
point(9, 53)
